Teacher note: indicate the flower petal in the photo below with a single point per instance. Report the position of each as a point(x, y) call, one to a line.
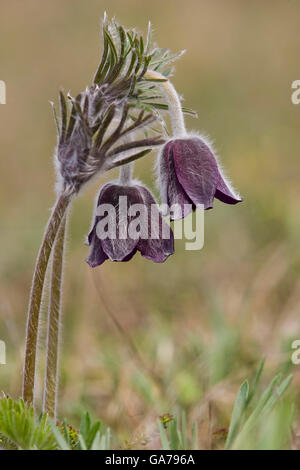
point(172, 192)
point(196, 170)
point(121, 246)
point(224, 193)
point(159, 244)
point(96, 256)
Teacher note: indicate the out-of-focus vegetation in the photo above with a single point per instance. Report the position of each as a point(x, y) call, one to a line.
point(191, 330)
point(266, 425)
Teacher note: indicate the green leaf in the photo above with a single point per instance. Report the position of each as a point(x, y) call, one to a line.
point(256, 380)
point(149, 39)
point(55, 117)
point(19, 425)
point(88, 432)
point(113, 50)
point(184, 430)
point(237, 413)
point(61, 441)
point(174, 436)
point(163, 436)
point(195, 438)
point(265, 405)
point(155, 79)
point(98, 74)
point(130, 159)
point(82, 443)
point(278, 393)
point(63, 114)
point(72, 121)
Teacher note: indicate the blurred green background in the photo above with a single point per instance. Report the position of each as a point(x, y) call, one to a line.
point(193, 328)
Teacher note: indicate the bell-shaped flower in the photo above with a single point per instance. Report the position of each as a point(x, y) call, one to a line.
point(190, 176)
point(127, 220)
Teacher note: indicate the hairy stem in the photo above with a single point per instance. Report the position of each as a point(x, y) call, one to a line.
point(173, 101)
point(125, 173)
point(54, 322)
point(36, 296)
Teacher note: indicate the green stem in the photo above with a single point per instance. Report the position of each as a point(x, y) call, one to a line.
point(54, 322)
point(36, 296)
point(173, 101)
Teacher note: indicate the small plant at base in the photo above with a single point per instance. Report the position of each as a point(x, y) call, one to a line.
point(174, 434)
point(257, 422)
point(20, 429)
point(245, 422)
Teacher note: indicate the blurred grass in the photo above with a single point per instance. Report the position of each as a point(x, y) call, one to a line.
point(202, 321)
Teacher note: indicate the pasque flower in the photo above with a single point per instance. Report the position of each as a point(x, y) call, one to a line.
point(188, 172)
point(93, 130)
point(189, 175)
point(128, 220)
point(109, 125)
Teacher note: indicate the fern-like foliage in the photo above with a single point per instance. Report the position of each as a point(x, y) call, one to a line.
point(125, 60)
point(20, 429)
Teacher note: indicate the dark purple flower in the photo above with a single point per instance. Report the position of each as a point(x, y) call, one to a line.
point(128, 220)
point(189, 175)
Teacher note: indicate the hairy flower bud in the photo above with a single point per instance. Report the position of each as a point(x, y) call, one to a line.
point(189, 175)
point(94, 136)
point(72, 155)
point(128, 220)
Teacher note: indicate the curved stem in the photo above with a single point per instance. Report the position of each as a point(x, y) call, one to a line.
point(125, 173)
point(36, 296)
point(172, 98)
point(54, 322)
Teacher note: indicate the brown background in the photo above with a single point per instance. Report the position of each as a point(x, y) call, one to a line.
point(203, 319)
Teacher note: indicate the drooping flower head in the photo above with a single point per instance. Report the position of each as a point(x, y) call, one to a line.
point(128, 220)
point(102, 130)
point(189, 176)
